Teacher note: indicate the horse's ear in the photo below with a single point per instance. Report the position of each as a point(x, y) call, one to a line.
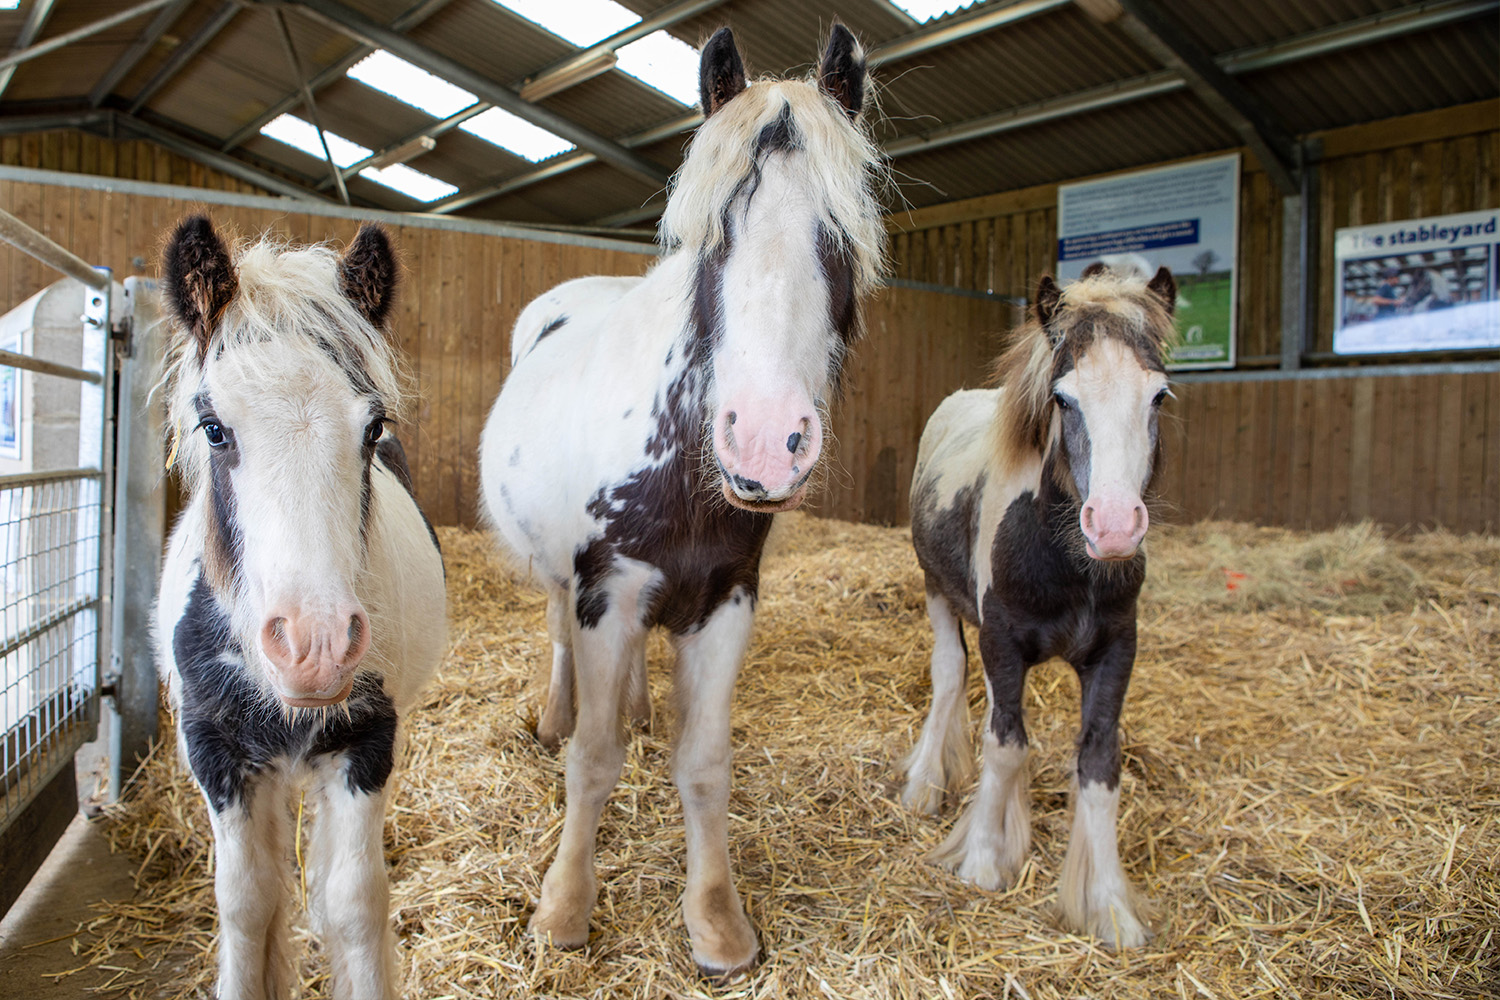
point(368, 273)
point(721, 73)
point(1096, 268)
point(1047, 296)
point(1165, 288)
point(198, 278)
point(842, 72)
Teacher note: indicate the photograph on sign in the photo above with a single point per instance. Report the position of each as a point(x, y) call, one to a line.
point(1419, 285)
point(1183, 217)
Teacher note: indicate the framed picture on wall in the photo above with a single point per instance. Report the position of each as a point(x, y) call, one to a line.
point(10, 401)
point(1184, 217)
point(1418, 285)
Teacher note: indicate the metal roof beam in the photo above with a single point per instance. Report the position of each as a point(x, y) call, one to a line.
point(36, 19)
point(906, 47)
point(77, 34)
point(1154, 30)
point(331, 73)
point(23, 124)
point(185, 53)
point(1351, 34)
point(362, 29)
point(210, 157)
point(131, 57)
point(558, 77)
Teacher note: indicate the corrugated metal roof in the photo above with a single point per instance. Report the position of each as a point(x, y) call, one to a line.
point(1041, 58)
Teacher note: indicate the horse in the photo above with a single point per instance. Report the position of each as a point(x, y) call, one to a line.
point(652, 426)
point(1027, 520)
point(301, 606)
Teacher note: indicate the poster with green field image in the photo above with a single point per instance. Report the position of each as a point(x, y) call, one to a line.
point(1184, 217)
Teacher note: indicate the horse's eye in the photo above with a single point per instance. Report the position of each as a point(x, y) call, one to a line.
point(1161, 397)
point(215, 434)
point(373, 432)
point(1060, 400)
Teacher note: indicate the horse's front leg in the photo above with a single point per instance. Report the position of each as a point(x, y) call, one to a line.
point(346, 860)
point(1095, 897)
point(708, 661)
point(990, 841)
point(943, 756)
point(252, 841)
point(606, 631)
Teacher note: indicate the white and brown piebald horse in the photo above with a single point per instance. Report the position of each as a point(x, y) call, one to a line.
point(649, 429)
point(301, 607)
point(1028, 517)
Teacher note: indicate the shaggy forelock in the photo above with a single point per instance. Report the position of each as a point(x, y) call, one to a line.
point(836, 156)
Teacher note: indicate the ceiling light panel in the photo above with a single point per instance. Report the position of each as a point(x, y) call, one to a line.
point(412, 183)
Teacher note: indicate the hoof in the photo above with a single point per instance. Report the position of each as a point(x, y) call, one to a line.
point(1114, 924)
point(558, 930)
point(922, 795)
point(721, 972)
point(724, 942)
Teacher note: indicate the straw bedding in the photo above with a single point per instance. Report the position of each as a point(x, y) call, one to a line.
point(1310, 794)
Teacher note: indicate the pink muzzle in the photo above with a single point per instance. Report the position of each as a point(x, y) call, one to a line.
point(766, 451)
point(313, 656)
point(1114, 526)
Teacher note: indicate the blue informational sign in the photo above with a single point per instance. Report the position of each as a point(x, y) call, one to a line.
point(1419, 284)
point(1184, 217)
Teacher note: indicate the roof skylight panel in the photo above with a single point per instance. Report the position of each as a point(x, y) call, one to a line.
point(302, 135)
point(582, 22)
point(923, 11)
point(10, 4)
point(412, 183)
point(664, 62)
point(516, 134)
point(411, 84)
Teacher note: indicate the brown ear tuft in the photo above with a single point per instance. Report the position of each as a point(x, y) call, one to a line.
point(1165, 288)
point(198, 278)
point(842, 73)
point(1098, 267)
point(368, 273)
point(721, 72)
point(1047, 297)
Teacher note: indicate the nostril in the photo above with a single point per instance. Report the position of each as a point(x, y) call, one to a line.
point(732, 417)
point(356, 630)
point(1088, 519)
point(794, 442)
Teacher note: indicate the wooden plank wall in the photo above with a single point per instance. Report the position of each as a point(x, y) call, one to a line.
point(460, 296)
point(1408, 451)
point(919, 346)
point(81, 153)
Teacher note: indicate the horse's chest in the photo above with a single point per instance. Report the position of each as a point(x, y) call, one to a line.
point(233, 732)
point(702, 549)
point(1052, 605)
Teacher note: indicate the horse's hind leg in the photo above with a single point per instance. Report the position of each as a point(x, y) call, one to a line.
point(990, 841)
point(708, 662)
point(1095, 897)
point(351, 891)
point(943, 756)
point(637, 691)
point(556, 722)
point(252, 839)
point(604, 650)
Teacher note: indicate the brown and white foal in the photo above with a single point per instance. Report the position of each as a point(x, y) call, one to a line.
point(1027, 517)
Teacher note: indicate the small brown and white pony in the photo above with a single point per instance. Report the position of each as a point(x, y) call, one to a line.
point(301, 607)
point(1028, 517)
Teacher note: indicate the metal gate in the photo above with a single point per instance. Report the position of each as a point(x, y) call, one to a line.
point(55, 528)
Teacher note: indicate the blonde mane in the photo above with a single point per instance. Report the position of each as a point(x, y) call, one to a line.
point(292, 298)
point(837, 158)
point(1105, 304)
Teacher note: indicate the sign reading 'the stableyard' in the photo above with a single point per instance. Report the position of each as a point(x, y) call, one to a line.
point(1185, 217)
point(1419, 285)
